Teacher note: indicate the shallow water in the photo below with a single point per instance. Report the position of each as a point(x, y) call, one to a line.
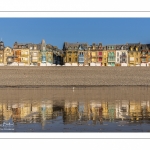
point(101, 109)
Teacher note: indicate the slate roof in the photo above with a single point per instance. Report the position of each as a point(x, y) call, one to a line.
point(74, 46)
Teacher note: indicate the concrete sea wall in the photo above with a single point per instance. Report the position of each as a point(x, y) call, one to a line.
point(73, 76)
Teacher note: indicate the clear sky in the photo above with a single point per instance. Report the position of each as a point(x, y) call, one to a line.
point(56, 31)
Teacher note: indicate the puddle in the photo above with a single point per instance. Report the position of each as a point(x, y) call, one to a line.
point(86, 110)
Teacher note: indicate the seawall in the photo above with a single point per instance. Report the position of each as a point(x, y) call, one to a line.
point(73, 76)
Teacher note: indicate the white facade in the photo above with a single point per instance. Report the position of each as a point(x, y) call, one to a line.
point(119, 53)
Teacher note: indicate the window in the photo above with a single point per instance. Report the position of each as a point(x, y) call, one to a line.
point(69, 59)
point(117, 59)
point(100, 59)
point(100, 53)
point(136, 59)
point(117, 53)
point(144, 59)
point(69, 53)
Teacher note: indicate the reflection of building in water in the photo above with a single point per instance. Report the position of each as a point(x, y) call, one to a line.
point(70, 113)
point(122, 109)
point(25, 110)
point(43, 114)
point(16, 113)
point(135, 110)
point(1, 113)
point(111, 110)
point(7, 112)
point(148, 109)
point(49, 111)
point(105, 109)
point(96, 111)
point(35, 111)
point(46, 111)
point(83, 111)
point(144, 107)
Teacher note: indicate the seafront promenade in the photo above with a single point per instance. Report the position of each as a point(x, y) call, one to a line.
point(73, 76)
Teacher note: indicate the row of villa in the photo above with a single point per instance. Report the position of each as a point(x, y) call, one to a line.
point(75, 54)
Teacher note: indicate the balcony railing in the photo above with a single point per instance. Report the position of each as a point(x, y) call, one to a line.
point(143, 56)
point(112, 59)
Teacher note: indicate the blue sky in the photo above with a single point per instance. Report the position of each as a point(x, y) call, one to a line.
point(56, 31)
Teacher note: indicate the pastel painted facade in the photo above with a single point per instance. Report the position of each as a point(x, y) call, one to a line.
point(25, 57)
point(8, 56)
point(87, 57)
point(99, 54)
point(104, 56)
point(81, 54)
point(134, 54)
point(71, 53)
point(34, 50)
point(17, 51)
point(93, 55)
point(111, 52)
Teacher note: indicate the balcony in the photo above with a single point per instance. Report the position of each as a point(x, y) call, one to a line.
point(111, 59)
point(123, 56)
point(144, 56)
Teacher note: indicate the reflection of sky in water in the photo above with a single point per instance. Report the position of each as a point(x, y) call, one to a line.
point(82, 110)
